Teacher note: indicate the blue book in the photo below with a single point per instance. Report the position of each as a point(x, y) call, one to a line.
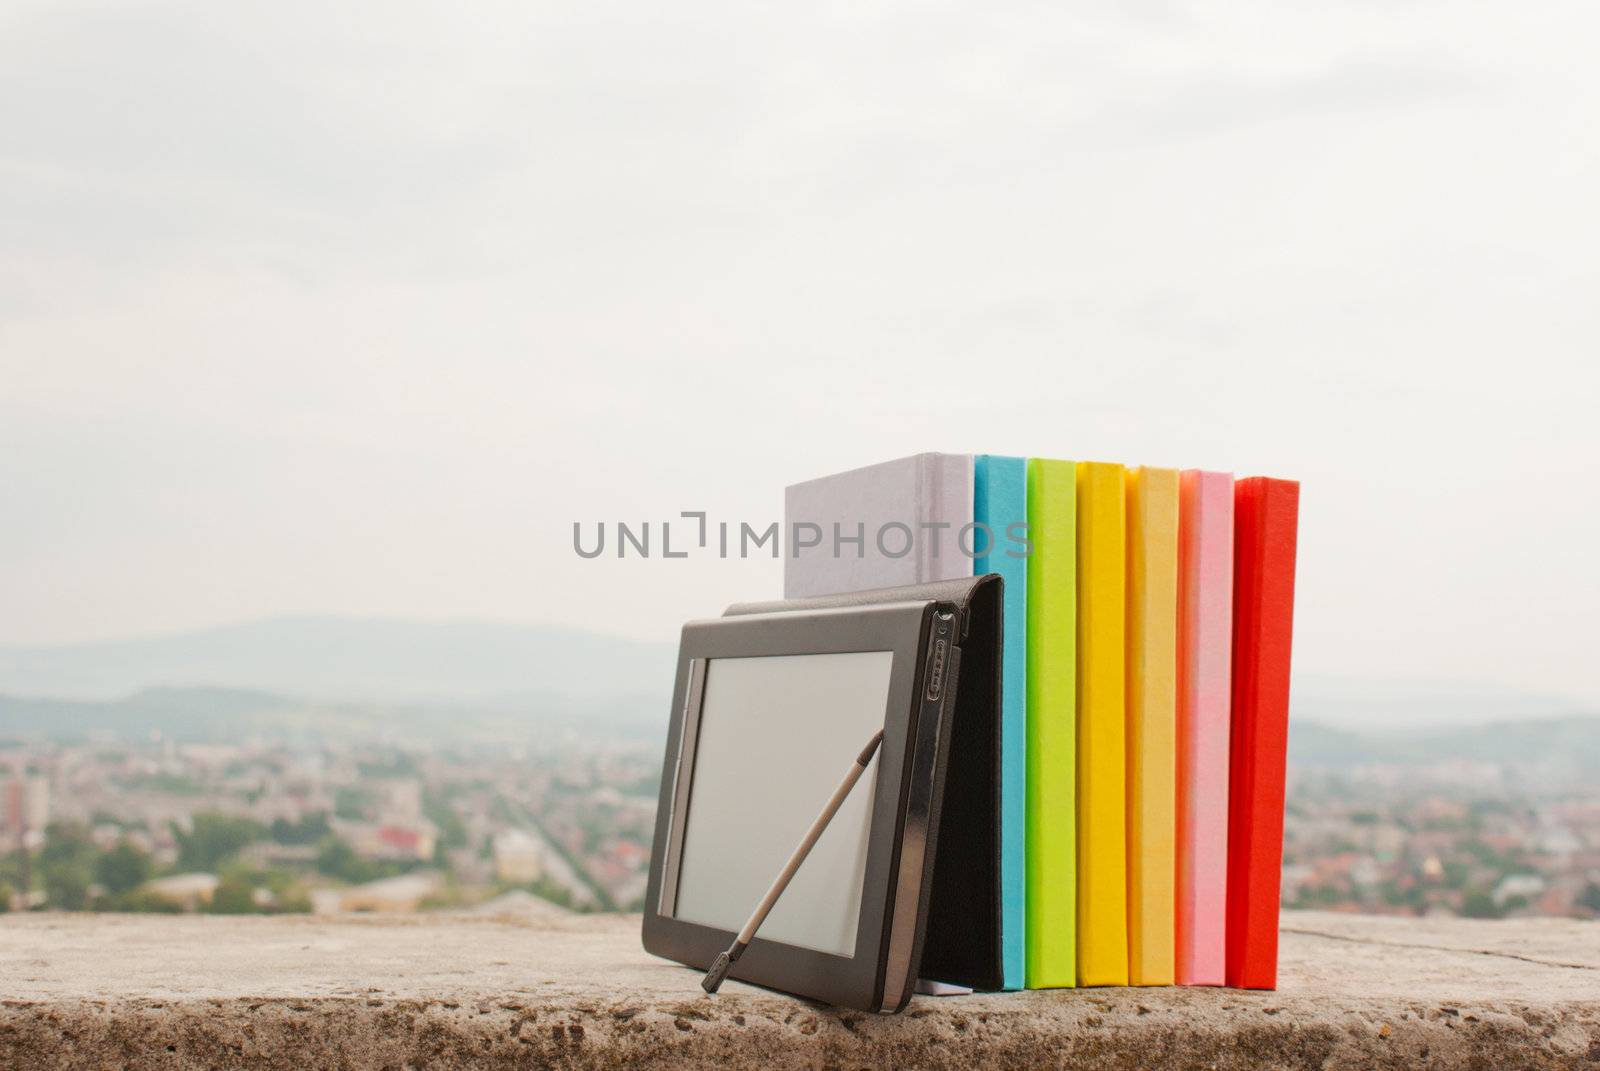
point(1000, 500)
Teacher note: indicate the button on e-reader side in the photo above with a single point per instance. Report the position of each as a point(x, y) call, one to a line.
point(938, 655)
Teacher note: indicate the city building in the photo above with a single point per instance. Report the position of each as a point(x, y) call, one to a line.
point(401, 894)
point(188, 891)
point(518, 857)
point(24, 809)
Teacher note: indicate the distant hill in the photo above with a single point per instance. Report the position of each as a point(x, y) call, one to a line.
point(180, 713)
point(331, 675)
point(1391, 704)
point(231, 715)
point(350, 660)
point(222, 715)
point(1572, 743)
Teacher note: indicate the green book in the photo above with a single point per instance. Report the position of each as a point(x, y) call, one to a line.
point(1052, 635)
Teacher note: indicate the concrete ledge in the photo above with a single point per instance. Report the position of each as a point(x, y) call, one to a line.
point(137, 992)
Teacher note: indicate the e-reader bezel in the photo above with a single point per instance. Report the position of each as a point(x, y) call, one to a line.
point(910, 722)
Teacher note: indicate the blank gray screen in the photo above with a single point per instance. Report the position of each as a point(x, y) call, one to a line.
point(777, 734)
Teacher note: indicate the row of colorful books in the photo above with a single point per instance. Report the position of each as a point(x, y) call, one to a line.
point(1145, 675)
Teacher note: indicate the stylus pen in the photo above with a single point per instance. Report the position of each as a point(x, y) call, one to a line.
point(719, 970)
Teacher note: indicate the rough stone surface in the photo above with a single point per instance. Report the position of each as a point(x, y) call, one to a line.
point(425, 992)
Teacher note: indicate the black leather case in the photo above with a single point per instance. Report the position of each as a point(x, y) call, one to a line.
point(960, 914)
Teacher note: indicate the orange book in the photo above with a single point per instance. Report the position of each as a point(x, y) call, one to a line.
point(1152, 669)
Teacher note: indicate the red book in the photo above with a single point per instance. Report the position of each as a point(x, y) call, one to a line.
point(1266, 516)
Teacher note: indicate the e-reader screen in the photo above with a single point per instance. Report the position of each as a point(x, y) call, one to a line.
point(776, 735)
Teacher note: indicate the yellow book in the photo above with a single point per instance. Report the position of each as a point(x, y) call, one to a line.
point(1102, 760)
point(1152, 673)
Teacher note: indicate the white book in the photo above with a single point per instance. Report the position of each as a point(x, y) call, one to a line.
point(902, 522)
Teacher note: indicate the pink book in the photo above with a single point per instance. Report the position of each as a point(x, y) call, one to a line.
point(1205, 635)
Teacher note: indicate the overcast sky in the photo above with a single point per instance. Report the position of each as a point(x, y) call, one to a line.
point(311, 308)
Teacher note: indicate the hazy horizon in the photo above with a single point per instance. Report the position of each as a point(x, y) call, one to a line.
point(357, 311)
point(354, 659)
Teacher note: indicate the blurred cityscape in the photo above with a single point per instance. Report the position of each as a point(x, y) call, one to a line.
point(1505, 824)
point(158, 825)
point(1455, 839)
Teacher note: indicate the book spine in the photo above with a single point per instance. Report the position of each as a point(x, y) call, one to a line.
point(1052, 862)
point(1205, 643)
point(1000, 500)
point(927, 495)
point(944, 500)
point(1102, 755)
point(1266, 517)
point(1152, 655)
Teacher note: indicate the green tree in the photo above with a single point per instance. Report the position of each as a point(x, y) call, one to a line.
point(123, 868)
point(66, 886)
point(350, 803)
point(1590, 897)
point(66, 866)
point(140, 900)
point(234, 896)
point(297, 904)
point(452, 833)
point(66, 842)
point(11, 869)
point(213, 838)
point(309, 830)
point(6, 892)
point(1478, 904)
point(337, 859)
point(557, 894)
